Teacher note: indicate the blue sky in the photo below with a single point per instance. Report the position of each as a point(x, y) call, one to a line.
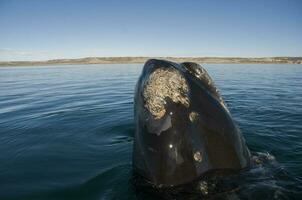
point(48, 29)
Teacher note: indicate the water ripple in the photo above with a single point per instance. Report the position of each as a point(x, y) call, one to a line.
point(67, 131)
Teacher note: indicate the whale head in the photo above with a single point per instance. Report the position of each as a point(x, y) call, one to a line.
point(183, 128)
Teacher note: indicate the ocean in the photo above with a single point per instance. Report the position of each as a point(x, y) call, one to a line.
point(66, 132)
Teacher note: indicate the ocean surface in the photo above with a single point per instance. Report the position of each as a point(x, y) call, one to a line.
point(66, 132)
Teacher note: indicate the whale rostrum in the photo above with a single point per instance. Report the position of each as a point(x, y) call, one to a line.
point(183, 128)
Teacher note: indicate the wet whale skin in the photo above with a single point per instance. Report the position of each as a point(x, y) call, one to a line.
point(183, 128)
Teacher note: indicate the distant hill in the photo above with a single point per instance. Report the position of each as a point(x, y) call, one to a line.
point(117, 60)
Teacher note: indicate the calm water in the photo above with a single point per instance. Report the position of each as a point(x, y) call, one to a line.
point(66, 132)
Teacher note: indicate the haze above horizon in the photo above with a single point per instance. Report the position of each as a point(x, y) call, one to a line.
point(53, 29)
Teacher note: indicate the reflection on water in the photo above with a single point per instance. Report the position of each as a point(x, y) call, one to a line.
point(67, 131)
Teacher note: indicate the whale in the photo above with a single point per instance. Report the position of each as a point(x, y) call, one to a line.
point(183, 127)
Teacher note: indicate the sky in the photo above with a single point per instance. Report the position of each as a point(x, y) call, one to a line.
point(50, 29)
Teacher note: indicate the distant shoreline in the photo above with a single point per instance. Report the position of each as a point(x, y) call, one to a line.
point(128, 60)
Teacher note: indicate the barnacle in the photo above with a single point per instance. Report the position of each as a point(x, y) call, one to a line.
point(162, 84)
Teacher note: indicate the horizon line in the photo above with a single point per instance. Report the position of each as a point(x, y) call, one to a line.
point(104, 57)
